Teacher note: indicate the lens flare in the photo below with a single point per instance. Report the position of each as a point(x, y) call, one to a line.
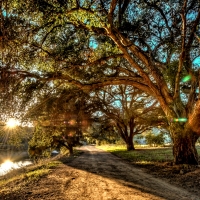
point(72, 122)
point(179, 120)
point(186, 78)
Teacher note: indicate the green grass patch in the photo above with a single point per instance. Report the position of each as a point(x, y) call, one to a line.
point(53, 164)
point(142, 155)
point(19, 180)
point(41, 169)
point(36, 174)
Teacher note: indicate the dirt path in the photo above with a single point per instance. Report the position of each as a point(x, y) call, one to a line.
point(98, 175)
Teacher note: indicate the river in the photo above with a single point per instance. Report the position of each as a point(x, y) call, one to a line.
point(8, 166)
point(10, 160)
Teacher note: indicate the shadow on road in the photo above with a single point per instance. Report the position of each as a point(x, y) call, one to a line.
point(106, 165)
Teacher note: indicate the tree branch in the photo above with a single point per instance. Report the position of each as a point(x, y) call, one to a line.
point(182, 55)
point(100, 61)
point(198, 38)
point(111, 11)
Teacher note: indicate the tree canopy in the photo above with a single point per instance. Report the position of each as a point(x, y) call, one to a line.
point(151, 45)
point(129, 110)
point(60, 120)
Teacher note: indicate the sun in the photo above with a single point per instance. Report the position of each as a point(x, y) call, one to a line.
point(11, 123)
point(7, 165)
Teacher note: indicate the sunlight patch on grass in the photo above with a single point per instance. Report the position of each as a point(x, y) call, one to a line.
point(112, 148)
point(36, 174)
point(53, 164)
point(144, 162)
point(142, 155)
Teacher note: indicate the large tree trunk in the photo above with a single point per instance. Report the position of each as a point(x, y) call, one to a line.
point(71, 152)
point(184, 150)
point(129, 143)
point(182, 134)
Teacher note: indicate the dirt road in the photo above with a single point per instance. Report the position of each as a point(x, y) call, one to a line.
point(98, 175)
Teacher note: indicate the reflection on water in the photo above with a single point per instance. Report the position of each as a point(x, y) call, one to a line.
point(9, 165)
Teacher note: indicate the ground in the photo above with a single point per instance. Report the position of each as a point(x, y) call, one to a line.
point(98, 175)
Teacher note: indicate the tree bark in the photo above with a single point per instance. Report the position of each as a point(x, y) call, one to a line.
point(184, 150)
point(129, 143)
point(71, 151)
point(182, 134)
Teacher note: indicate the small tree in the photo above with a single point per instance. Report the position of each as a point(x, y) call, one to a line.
point(47, 138)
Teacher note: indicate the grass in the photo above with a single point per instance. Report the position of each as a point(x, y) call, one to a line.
point(30, 173)
point(34, 172)
point(12, 179)
point(142, 155)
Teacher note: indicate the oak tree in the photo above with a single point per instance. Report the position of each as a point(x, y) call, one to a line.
point(130, 110)
point(151, 45)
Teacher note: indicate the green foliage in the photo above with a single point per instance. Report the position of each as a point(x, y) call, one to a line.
point(41, 137)
point(49, 42)
point(104, 133)
point(62, 119)
point(137, 139)
point(154, 140)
